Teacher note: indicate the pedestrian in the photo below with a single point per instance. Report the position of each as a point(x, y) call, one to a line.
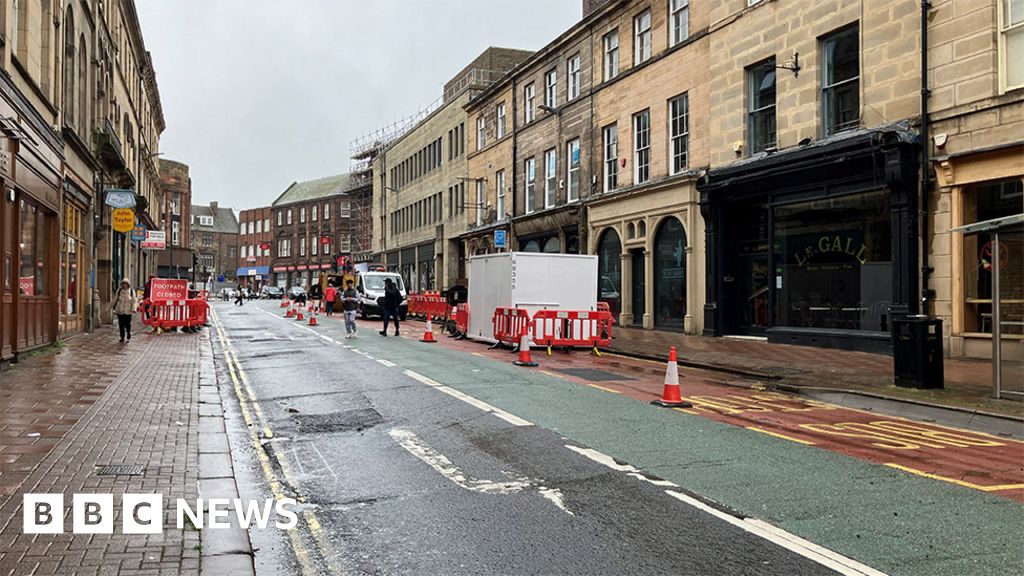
point(349, 305)
point(392, 299)
point(147, 293)
point(125, 303)
point(239, 296)
point(329, 295)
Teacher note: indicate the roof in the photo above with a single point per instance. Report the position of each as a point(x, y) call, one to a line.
point(326, 187)
point(224, 220)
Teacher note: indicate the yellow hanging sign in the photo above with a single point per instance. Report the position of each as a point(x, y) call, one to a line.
point(122, 220)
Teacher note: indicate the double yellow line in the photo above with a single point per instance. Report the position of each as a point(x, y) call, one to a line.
point(245, 398)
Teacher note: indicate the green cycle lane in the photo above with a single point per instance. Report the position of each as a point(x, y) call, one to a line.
point(895, 522)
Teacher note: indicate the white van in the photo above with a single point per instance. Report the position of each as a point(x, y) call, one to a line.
point(371, 288)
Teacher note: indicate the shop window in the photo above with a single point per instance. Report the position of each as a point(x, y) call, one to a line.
point(840, 82)
point(761, 106)
point(32, 273)
point(983, 202)
point(834, 263)
point(670, 274)
point(609, 264)
point(531, 246)
point(552, 245)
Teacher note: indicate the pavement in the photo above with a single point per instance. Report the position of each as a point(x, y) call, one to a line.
point(446, 458)
point(92, 402)
point(968, 381)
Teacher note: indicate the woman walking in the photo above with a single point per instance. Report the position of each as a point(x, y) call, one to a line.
point(125, 303)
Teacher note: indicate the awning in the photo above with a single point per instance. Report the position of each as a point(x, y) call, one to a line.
point(253, 271)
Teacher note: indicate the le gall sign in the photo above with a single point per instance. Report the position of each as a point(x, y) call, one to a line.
point(834, 244)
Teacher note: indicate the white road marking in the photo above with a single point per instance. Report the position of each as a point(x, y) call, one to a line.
point(439, 462)
point(506, 416)
point(778, 536)
point(387, 363)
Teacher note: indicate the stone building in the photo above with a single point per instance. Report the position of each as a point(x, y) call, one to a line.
point(420, 189)
point(976, 148)
point(255, 238)
point(175, 209)
point(215, 245)
point(312, 226)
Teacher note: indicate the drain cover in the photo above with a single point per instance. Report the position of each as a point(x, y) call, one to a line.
point(357, 420)
point(120, 470)
point(593, 374)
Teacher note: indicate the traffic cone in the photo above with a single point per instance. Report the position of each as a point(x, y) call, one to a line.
point(428, 333)
point(300, 317)
point(524, 352)
point(671, 396)
point(289, 313)
point(312, 320)
point(283, 304)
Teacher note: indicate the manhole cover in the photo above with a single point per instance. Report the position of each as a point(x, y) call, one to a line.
point(350, 420)
point(593, 374)
point(120, 470)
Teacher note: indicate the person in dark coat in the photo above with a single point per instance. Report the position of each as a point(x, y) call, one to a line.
point(392, 299)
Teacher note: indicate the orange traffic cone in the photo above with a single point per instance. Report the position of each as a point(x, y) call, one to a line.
point(312, 320)
point(525, 359)
point(283, 304)
point(300, 317)
point(428, 333)
point(289, 313)
point(671, 396)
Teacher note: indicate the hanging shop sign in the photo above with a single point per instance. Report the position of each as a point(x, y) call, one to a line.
point(118, 198)
point(122, 220)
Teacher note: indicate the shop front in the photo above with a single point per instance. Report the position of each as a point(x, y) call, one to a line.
point(814, 246)
point(73, 266)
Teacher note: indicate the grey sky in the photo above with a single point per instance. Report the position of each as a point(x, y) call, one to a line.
point(260, 93)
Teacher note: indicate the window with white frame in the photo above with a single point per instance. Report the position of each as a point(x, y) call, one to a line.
point(175, 233)
point(242, 251)
point(572, 172)
point(840, 81)
point(642, 147)
point(573, 74)
point(642, 37)
point(259, 226)
point(480, 192)
point(611, 54)
point(761, 106)
point(241, 226)
point(611, 157)
point(289, 218)
point(679, 21)
point(302, 247)
point(499, 188)
point(266, 225)
point(481, 137)
point(500, 115)
point(679, 131)
point(314, 210)
point(530, 98)
point(280, 216)
point(345, 243)
point(1011, 41)
point(326, 248)
point(345, 209)
point(530, 176)
point(551, 88)
point(327, 211)
point(550, 177)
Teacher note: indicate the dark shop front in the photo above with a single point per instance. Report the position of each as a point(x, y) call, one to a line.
point(816, 245)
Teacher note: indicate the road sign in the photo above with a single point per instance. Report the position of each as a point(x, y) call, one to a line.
point(220, 277)
point(155, 240)
point(500, 239)
point(120, 198)
point(122, 220)
point(139, 233)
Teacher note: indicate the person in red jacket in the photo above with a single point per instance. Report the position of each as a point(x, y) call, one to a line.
point(330, 295)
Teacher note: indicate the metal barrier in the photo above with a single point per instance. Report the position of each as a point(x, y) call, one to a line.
point(572, 328)
point(171, 314)
point(510, 324)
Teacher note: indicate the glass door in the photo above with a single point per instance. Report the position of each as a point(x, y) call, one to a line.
point(639, 275)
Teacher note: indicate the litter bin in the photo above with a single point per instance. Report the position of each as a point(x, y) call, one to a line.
point(917, 352)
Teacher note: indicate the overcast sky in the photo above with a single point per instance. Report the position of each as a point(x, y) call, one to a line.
point(260, 93)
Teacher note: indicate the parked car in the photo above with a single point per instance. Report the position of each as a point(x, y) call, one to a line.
point(227, 293)
point(371, 288)
point(271, 293)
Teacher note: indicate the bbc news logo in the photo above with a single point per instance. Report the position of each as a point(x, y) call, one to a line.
point(144, 513)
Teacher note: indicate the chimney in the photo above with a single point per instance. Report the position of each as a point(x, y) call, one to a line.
point(213, 206)
point(591, 5)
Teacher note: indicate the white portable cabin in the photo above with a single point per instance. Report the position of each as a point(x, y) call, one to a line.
point(529, 280)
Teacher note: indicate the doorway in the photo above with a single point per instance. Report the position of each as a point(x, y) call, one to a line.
point(639, 276)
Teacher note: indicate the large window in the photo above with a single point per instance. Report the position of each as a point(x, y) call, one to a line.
point(499, 189)
point(679, 21)
point(551, 88)
point(302, 215)
point(669, 274)
point(530, 107)
point(609, 264)
point(573, 76)
point(72, 274)
point(611, 55)
point(550, 177)
point(1011, 41)
point(983, 202)
point(611, 157)
point(572, 163)
point(679, 130)
point(500, 115)
point(175, 233)
point(530, 170)
point(840, 82)
point(481, 137)
point(761, 106)
point(642, 37)
point(480, 194)
point(642, 147)
point(833, 261)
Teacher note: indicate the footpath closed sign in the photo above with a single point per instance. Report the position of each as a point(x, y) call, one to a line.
point(122, 220)
point(155, 240)
point(166, 289)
